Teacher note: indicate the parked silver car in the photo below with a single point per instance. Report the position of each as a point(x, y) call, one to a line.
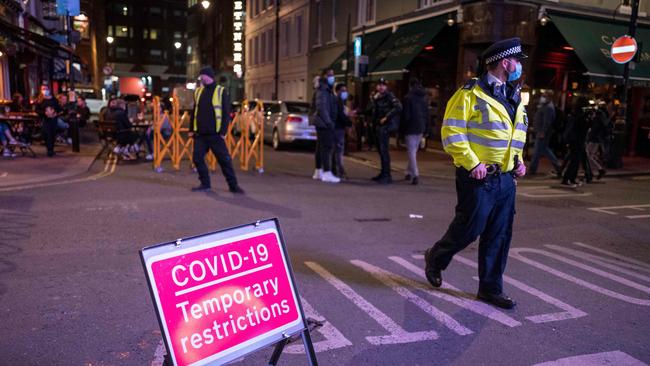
point(287, 122)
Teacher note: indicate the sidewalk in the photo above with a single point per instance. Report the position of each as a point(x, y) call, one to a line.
point(25, 170)
point(434, 162)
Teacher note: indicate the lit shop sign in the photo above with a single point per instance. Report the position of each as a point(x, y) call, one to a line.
point(238, 38)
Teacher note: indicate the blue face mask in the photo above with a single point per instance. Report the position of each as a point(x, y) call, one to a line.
point(344, 95)
point(515, 75)
point(330, 80)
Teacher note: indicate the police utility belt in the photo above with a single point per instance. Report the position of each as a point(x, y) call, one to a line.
point(494, 169)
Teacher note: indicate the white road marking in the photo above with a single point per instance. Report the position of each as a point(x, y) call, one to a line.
point(397, 334)
point(638, 217)
point(516, 253)
point(470, 304)
point(569, 312)
point(333, 337)
point(611, 210)
point(391, 280)
point(159, 355)
point(617, 358)
point(548, 192)
point(109, 168)
point(641, 265)
point(598, 260)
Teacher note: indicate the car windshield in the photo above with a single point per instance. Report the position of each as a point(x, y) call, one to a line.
point(301, 108)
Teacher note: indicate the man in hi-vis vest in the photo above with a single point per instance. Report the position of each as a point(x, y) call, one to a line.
point(209, 126)
point(484, 131)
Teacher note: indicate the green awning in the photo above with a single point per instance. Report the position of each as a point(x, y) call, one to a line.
point(371, 41)
point(592, 41)
point(404, 45)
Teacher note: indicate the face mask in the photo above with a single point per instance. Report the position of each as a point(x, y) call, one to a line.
point(515, 75)
point(46, 93)
point(344, 95)
point(330, 80)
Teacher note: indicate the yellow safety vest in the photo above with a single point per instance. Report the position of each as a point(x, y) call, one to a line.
point(216, 103)
point(477, 129)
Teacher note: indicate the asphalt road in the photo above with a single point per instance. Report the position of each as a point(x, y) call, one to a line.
point(73, 292)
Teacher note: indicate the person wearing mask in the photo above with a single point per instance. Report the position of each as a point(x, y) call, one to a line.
point(484, 131)
point(543, 123)
point(341, 125)
point(208, 128)
point(48, 109)
point(386, 109)
point(324, 119)
point(414, 121)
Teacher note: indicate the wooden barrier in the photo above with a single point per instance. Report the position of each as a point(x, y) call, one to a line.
point(248, 145)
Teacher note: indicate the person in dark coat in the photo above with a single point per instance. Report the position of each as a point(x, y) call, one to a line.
point(324, 119)
point(413, 124)
point(543, 122)
point(47, 105)
point(125, 136)
point(386, 109)
point(341, 125)
point(575, 135)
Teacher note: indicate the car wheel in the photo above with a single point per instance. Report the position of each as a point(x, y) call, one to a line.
point(277, 145)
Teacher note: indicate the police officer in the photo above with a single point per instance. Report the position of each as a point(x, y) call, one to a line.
point(385, 110)
point(209, 127)
point(484, 131)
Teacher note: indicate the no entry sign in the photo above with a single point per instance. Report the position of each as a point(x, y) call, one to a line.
point(623, 49)
point(222, 295)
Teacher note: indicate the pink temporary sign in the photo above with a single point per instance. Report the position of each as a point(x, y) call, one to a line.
point(220, 299)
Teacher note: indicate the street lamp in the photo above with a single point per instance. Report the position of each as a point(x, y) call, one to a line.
point(177, 45)
point(110, 39)
point(205, 4)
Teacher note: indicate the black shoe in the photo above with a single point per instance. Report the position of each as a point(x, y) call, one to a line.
point(408, 177)
point(433, 274)
point(236, 190)
point(568, 184)
point(376, 178)
point(499, 300)
point(385, 180)
point(601, 174)
point(415, 181)
point(201, 188)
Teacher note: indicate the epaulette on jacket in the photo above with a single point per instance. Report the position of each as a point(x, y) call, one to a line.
point(470, 83)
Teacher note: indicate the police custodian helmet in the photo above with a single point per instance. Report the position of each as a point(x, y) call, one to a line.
point(510, 47)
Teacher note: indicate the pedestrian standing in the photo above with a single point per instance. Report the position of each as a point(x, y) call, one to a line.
point(543, 123)
point(386, 109)
point(340, 129)
point(324, 119)
point(596, 138)
point(48, 109)
point(484, 131)
point(209, 126)
point(576, 135)
point(414, 121)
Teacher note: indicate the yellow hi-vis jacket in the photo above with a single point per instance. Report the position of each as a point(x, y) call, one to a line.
point(216, 104)
point(477, 129)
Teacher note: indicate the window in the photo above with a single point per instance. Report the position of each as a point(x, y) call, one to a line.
point(333, 30)
point(156, 54)
point(256, 59)
point(191, 3)
point(257, 7)
point(269, 48)
point(178, 13)
point(121, 9)
point(286, 38)
point(121, 52)
point(121, 31)
point(178, 35)
point(318, 13)
point(426, 3)
point(299, 34)
point(154, 10)
point(150, 33)
point(366, 12)
point(109, 31)
point(263, 51)
point(250, 51)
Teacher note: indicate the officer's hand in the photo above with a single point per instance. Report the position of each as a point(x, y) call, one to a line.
point(520, 170)
point(223, 136)
point(190, 134)
point(479, 172)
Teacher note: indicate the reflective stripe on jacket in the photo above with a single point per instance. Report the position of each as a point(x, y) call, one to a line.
point(216, 103)
point(477, 129)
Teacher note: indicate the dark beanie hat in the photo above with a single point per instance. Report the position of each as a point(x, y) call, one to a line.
point(207, 71)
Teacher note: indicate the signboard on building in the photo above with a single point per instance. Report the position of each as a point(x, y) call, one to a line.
point(68, 7)
point(238, 38)
point(223, 295)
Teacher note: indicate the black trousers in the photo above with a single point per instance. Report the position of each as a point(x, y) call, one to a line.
point(485, 207)
point(49, 134)
point(324, 149)
point(577, 157)
point(216, 144)
point(383, 140)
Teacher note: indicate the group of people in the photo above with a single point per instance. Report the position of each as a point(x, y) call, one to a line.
point(585, 130)
point(331, 116)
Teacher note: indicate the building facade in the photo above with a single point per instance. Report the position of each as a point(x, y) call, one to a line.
point(277, 63)
point(145, 45)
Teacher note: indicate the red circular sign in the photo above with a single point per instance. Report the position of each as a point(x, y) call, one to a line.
point(623, 49)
